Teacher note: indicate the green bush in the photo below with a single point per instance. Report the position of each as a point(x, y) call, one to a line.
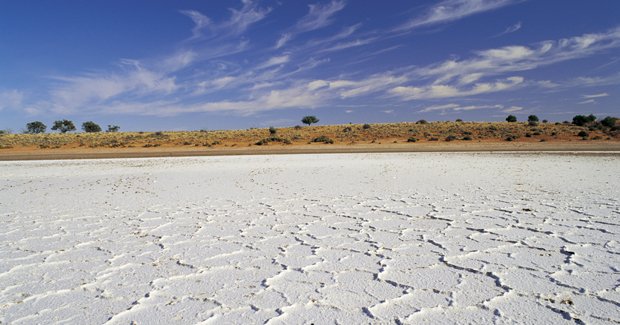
point(609, 121)
point(323, 139)
point(581, 120)
point(272, 130)
point(412, 139)
point(309, 119)
point(511, 118)
point(35, 127)
point(583, 134)
point(91, 126)
point(366, 126)
point(115, 128)
point(273, 139)
point(63, 126)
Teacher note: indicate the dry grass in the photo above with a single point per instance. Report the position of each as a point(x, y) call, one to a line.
point(341, 134)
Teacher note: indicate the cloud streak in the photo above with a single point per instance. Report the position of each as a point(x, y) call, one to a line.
point(451, 10)
point(318, 16)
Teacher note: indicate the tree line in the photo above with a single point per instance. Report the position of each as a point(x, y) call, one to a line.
point(64, 126)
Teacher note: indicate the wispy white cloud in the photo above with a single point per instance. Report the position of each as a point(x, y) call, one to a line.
point(512, 109)
point(599, 95)
point(355, 88)
point(520, 58)
point(457, 107)
point(273, 61)
point(589, 101)
point(449, 91)
point(239, 21)
point(318, 16)
point(511, 29)
point(11, 99)
point(347, 45)
point(200, 22)
point(74, 92)
point(451, 10)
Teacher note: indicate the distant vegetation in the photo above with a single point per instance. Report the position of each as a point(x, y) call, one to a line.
point(35, 127)
point(113, 128)
point(91, 126)
point(583, 127)
point(309, 120)
point(63, 126)
point(511, 119)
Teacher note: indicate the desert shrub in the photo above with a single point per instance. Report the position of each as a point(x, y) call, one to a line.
point(114, 128)
point(412, 139)
point(467, 133)
point(422, 122)
point(450, 138)
point(347, 129)
point(215, 143)
point(511, 138)
point(323, 139)
point(458, 120)
point(433, 139)
point(297, 127)
point(366, 126)
point(63, 126)
point(545, 121)
point(511, 118)
point(273, 139)
point(91, 126)
point(35, 127)
point(532, 118)
point(528, 135)
point(272, 130)
point(581, 120)
point(609, 121)
point(536, 133)
point(467, 138)
point(583, 134)
point(309, 119)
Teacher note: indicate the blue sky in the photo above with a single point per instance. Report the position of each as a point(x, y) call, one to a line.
point(215, 64)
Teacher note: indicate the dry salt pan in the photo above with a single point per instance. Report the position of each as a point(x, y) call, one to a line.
point(361, 238)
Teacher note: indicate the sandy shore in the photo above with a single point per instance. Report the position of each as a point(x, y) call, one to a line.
point(98, 153)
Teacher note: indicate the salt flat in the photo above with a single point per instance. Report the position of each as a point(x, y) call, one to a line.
point(359, 238)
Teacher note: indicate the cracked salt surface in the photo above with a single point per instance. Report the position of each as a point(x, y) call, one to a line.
point(364, 238)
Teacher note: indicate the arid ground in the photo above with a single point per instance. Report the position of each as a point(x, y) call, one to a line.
point(408, 238)
point(395, 137)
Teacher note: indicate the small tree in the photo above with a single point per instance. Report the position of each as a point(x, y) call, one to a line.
point(309, 120)
point(609, 121)
point(511, 118)
point(272, 130)
point(532, 118)
point(115, 128)
point(63, 126)
point(35, 127)
point(91, 126)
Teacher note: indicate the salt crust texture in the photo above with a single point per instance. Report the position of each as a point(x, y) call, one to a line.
point(364, 238)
